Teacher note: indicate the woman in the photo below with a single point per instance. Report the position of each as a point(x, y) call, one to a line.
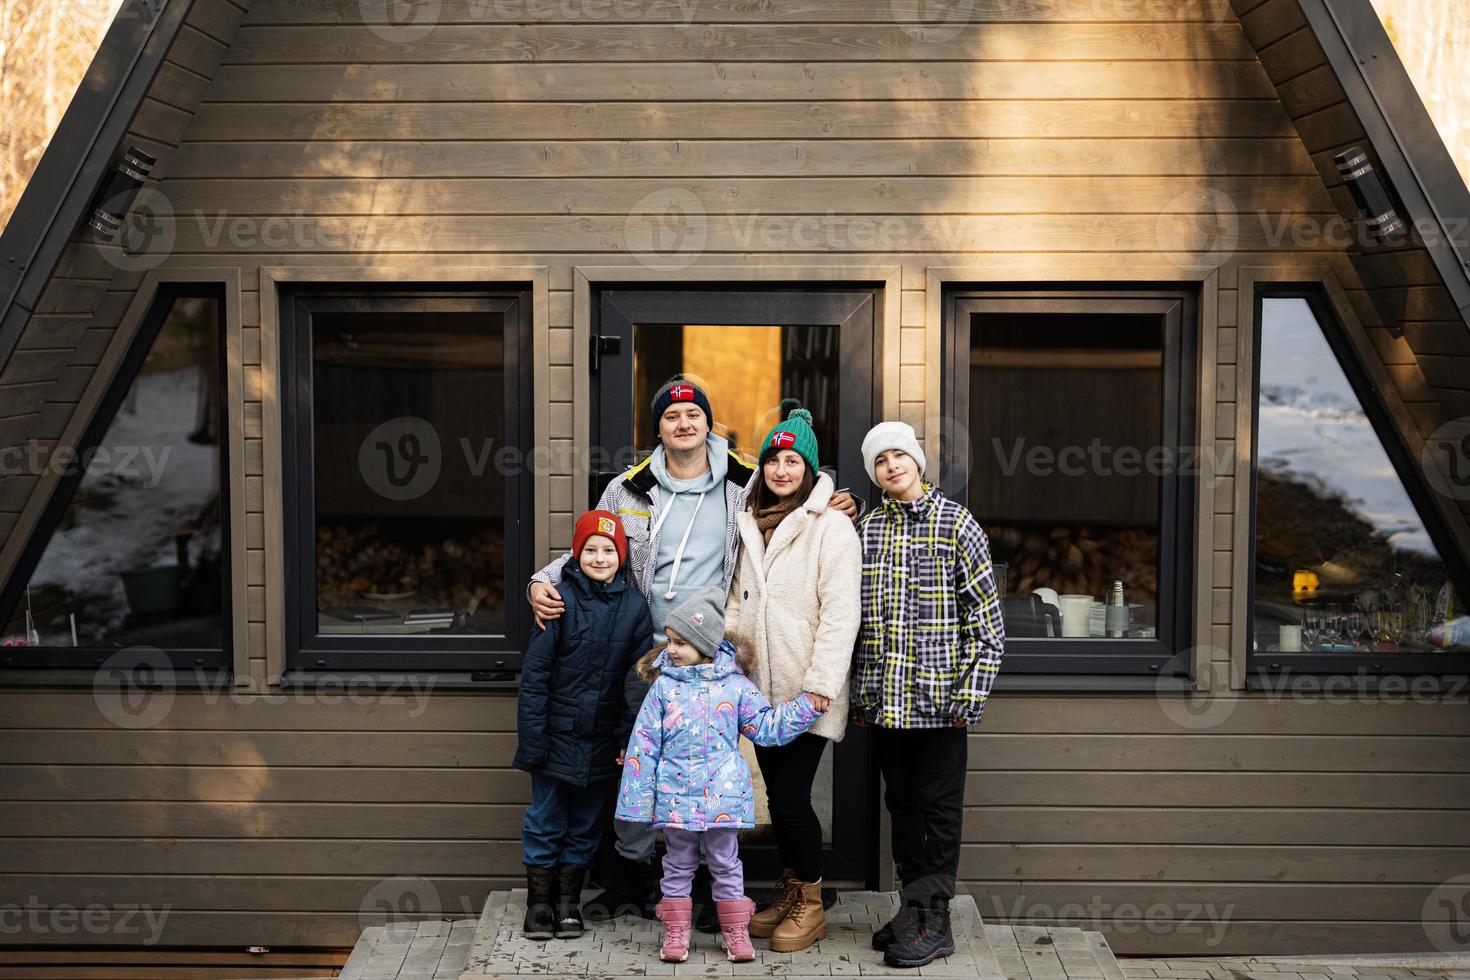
point(797, 595)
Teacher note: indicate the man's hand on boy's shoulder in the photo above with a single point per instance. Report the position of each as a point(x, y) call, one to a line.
point(846, 504)
point(546, 603)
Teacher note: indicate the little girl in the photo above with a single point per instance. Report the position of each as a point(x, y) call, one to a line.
point(572, 720)
point(683, 771)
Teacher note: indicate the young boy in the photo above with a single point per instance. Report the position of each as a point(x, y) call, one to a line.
point(929, 647)
point(573, 720)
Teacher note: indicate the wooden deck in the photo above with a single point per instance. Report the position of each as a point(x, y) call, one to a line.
point(439, 950)
point(494, 947)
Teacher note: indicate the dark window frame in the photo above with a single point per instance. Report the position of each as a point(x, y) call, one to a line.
point(1262, 665)
point(1168, 653)
point(853, 308)
point(850, 309)
point(488, 657)
point(178, 659)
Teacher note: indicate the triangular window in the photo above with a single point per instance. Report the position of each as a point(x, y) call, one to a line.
point(1345, 562)
point(132, 550)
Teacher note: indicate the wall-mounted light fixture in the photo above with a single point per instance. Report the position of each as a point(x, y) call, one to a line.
point(1372, 194)
point(119, 193)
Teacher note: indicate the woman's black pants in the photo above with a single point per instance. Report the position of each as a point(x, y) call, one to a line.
point(788, 771)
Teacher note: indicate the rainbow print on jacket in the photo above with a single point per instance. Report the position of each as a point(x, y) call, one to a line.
point(683, 767)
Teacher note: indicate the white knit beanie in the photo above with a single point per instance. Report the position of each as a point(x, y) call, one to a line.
point(890, 435)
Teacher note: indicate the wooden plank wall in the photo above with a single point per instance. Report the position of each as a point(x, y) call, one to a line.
point(1038, 139)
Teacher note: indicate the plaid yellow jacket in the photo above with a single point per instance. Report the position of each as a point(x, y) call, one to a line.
point(932, 630)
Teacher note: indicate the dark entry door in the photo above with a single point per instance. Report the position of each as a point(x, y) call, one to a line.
point(751, 350)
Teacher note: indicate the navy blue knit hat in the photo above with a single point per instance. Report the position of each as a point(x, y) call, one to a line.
point(680, 391)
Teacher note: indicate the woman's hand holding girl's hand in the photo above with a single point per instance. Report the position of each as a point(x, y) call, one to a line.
point(820, 703)
point(622, 756)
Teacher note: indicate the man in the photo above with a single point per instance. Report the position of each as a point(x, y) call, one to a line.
point(678, 508)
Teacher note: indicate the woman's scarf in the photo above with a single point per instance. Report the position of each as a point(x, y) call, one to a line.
point(769, 518)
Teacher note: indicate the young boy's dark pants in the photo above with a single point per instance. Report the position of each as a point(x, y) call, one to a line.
point(561, 826)
point(924, 772)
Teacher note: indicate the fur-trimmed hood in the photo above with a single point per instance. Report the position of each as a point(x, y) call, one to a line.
point(735, 654)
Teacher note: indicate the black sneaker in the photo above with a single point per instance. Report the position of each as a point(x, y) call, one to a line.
point(925, 941)
point(540, 921)
point(630, 889)
point(895, 927)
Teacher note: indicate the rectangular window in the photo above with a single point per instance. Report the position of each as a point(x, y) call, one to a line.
point(1349, 567)
point(408, 472)
point(1072, 414)
point(132, 552)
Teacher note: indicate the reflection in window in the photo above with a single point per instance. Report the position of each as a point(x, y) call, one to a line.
point(138, 556)
point(1343, 563)
point(745, 371)
point(408, 416)
point(1066, 412)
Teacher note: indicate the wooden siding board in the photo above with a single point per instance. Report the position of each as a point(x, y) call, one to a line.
point(1295, 54)
point(1272, 21)
point(1062, 119)
point(981, 13)
point(462, 158)
point(613, 43)
point(768, 81)
point(737, 233)
point(533, 195)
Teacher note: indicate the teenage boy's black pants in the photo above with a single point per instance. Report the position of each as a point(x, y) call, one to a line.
point(924, 773)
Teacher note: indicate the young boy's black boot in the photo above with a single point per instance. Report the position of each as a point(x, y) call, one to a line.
point(925, 940)
point(540, 922)
point(569, 882)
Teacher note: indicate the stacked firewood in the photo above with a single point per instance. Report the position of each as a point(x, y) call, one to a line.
point(360, 562)
point(1078, 560)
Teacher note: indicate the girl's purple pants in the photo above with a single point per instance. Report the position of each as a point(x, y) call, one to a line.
point(721, 853)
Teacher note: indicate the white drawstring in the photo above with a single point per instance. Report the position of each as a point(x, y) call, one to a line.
point(678, 555)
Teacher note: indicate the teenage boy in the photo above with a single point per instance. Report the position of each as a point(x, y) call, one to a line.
point(929, 647)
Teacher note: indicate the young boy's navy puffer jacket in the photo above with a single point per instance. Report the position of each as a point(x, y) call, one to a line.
point(572, 716)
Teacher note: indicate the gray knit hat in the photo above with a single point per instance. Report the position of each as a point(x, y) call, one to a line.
point(701, 620)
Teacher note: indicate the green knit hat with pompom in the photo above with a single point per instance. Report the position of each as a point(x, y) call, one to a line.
point(794, 433)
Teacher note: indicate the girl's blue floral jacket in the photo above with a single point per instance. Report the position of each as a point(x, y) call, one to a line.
point(683, 766)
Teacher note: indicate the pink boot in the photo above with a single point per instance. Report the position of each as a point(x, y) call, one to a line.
point(735, 928)
point(676, 914)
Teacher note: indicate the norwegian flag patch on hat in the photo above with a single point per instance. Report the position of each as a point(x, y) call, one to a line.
point(783, 440)
point(682, 393)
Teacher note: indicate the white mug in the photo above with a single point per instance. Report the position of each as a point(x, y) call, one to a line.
point(1290, 640)
point(1075, 612)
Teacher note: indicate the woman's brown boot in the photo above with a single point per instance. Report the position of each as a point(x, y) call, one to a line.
point(806, 922)
point(764, 922)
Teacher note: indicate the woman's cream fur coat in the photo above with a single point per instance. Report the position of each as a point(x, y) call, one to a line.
point(798, 600)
